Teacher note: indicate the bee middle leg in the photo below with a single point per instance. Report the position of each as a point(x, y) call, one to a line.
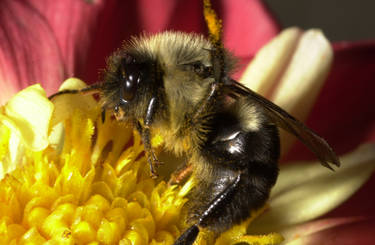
point(248, 192)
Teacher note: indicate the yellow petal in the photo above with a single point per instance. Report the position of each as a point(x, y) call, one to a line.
point(267, 66)
point(108, 232)
point(84, 232)
point(306, 191)
point(303, 78)
point(32, 236)
point(30, 111)
point(11, 149)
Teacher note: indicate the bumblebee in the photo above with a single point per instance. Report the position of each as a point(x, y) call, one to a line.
point(179, 86)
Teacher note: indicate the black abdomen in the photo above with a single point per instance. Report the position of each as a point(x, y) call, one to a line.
point(231, 153)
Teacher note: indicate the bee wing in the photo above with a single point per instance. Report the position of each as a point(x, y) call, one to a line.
point(284, 120)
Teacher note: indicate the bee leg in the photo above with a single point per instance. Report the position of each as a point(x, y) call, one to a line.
point(146, 139)
point(206, 103)
point(189, 236)
point(146, 136)
point(221, 199)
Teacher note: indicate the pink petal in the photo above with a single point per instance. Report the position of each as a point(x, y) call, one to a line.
point(74, 25)
point(28, 49)
point(120, 20)
point(247, 26)
point(44, 41)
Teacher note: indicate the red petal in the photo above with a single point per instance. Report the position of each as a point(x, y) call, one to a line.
point(344, 113)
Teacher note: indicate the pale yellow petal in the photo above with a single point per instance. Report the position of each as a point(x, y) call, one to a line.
point(67, 104)
point(306, 191)
point(303, 78)
point(269, 63)
point(72, 83)
point(31, 111)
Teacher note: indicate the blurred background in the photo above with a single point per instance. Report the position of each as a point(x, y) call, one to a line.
point(339, 19)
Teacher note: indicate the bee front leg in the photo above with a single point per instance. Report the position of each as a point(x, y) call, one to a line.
point(146, 136)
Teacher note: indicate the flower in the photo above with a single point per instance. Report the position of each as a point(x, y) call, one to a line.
point(78, 44)
point(113, 184)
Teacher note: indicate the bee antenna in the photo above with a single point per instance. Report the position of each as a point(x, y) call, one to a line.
point(95, 88)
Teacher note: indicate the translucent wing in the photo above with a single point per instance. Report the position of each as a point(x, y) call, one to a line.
point(285, 121)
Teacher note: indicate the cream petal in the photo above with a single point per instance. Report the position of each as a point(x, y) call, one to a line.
point(269, 63)
point(303, 78)
point(31, 111)
point(305, 191)
point(293, 233)
point(66, 104)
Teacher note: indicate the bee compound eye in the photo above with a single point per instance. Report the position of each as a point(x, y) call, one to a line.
point(201, 70)
point(130, 86)
point(198, 68)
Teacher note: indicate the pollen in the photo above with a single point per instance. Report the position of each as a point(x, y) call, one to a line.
point(91, 186)
point(213, 22)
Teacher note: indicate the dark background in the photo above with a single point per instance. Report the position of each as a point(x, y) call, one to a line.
point(340, 20)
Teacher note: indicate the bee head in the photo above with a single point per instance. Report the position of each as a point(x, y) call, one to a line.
point(172, 67)
point(127, 81)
